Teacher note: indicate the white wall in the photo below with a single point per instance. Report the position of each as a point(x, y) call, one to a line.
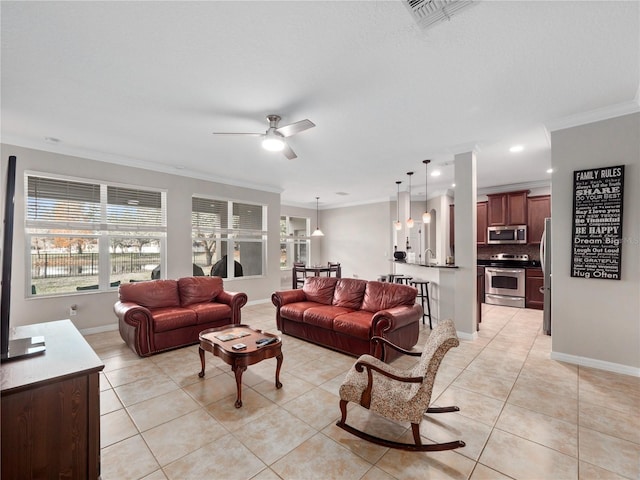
point(596, 322)
point(95, 310)
point(359, 238)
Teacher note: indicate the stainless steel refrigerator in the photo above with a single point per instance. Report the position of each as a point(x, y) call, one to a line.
point(545, 263)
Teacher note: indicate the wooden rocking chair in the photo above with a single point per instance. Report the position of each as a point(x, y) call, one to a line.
point(402, 396)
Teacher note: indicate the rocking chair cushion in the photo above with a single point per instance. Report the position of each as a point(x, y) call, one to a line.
point(397, 400)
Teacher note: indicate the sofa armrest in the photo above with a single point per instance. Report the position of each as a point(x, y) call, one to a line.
point(134, 323)
point(395, 318)
point(236, 300)
point(288, 296)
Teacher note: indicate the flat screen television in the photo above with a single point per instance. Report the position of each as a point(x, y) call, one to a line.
point(19, 347)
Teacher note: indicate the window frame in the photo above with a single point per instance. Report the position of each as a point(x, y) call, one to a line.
point(102, 230)
point(227, 237)
point(290, 240)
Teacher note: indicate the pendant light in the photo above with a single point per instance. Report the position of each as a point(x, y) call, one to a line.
point(398, 224)
point(317, 232)
point(409, 220)
point(426, 216)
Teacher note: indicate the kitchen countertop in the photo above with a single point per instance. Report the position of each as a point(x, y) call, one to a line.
point(430, 265)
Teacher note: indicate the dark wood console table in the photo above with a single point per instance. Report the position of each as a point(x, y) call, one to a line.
point(51, 407)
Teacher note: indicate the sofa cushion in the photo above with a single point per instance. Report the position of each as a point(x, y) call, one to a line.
point(210, 312)
point(152, 294)
point(172, 318)
point(295, 311)
point(349, 293)
point(320, 289)
point(323, 316)
point(198, 289)
point(382, 295)
point(354, 324)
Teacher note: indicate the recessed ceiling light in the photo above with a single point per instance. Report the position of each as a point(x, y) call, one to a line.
point(51, 140)
point(516, 149)
point(436, 173)
point(453, 185)
point(342, 193)
point(549, 170)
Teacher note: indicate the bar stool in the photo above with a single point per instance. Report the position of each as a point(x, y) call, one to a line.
point(423, 293)
point(403, 279)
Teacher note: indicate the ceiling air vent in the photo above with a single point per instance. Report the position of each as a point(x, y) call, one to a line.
point(428, 12)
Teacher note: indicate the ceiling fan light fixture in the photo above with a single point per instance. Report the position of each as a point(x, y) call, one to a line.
point(273, 142)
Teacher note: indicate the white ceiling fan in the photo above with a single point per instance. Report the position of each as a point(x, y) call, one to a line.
point(273, 138)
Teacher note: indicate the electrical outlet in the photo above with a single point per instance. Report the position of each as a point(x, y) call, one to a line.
point(73, 310)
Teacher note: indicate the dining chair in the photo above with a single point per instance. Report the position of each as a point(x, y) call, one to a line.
point(299, 274)
point(334, 269)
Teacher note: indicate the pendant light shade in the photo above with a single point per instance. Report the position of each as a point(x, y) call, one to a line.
point(398, 224)
point(317, 232)
point(409, 220)
point(426, 216)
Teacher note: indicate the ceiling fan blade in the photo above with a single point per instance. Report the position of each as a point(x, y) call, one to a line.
point(296, 127)
point(288, 152)
point(238, 134)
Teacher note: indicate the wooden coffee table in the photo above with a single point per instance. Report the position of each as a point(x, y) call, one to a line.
point(213, 340)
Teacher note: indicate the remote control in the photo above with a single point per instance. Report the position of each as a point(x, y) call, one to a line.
point(266, 341)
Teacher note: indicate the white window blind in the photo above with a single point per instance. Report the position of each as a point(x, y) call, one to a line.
point(208, 215)
point(56, 203)
point(134, 209)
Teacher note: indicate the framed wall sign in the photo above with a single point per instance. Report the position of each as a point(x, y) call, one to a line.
point(597, 223)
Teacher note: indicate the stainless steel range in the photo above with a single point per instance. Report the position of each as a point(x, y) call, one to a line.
point(505, 280)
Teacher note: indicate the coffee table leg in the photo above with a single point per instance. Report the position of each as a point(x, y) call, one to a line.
point(238, 370)
point(279, 359)
point(201, 352)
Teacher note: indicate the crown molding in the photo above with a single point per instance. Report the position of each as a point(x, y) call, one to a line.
point(60, 149)
point(605, 113)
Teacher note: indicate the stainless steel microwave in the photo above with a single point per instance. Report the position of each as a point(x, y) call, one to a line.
point(507, 234)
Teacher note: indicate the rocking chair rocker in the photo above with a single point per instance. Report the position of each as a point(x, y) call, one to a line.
point(402, 396)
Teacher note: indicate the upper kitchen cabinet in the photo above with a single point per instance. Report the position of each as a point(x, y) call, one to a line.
point(538, 208)
point(481, 233)
point(507, 208)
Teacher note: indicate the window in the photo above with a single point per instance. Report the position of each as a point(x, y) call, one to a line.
point(294, 241)
point(229, 238)
point(87, 236)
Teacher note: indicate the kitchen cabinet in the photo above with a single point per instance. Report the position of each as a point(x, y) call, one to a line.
point(481, 232)
point(538, 209)
point(507, 208)
point(534, 280)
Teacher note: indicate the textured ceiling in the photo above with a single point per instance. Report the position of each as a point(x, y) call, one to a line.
point(145, 84)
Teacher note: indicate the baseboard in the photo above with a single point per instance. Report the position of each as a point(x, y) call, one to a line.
point(258, 302)
point(467, 336)
point(593, 363)
point(102, 328)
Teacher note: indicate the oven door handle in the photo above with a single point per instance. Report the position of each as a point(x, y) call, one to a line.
point(505, 270)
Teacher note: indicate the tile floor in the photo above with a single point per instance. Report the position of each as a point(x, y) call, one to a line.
point(522, 415)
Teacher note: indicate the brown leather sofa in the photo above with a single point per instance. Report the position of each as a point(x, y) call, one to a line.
point(161, 315)
point(344, 313)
